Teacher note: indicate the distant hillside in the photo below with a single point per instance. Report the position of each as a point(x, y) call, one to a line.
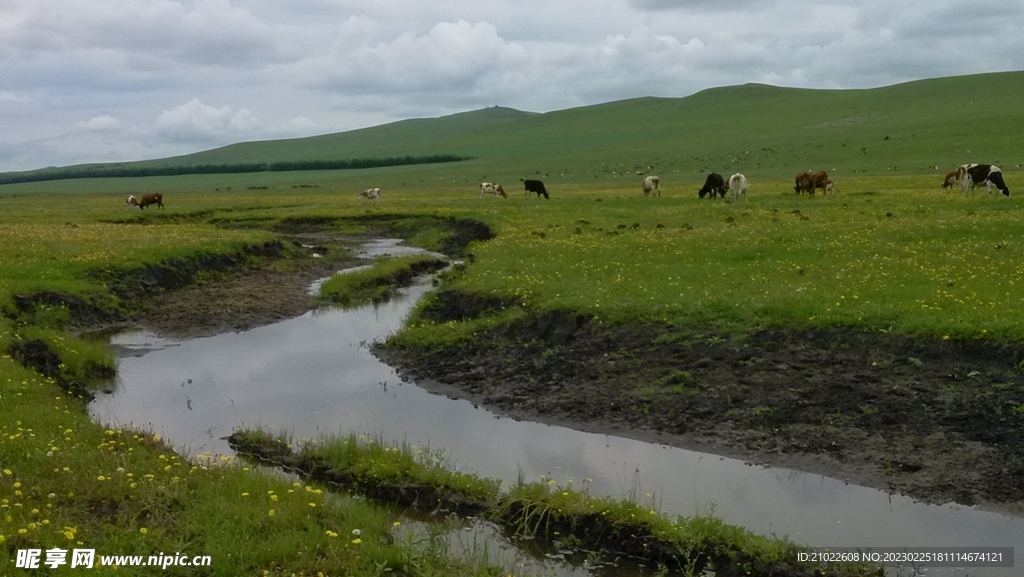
point(415, 137)
point(764, 131)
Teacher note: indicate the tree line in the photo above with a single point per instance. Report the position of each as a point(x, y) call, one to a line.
point(121, 171)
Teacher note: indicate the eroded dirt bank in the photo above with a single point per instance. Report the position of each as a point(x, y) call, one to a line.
point(937, 420)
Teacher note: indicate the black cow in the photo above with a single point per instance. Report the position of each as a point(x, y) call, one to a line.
point(714, 184)
point(978, 174)
point(535, 186)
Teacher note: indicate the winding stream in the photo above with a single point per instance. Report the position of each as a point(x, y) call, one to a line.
point(314, 375)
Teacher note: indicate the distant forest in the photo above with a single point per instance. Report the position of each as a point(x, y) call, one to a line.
point(115, 171)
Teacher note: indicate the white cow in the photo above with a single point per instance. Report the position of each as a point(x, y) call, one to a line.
point(132, 201)
point(371, 194)
point(652, 184)
point(492, 188)
point(739, 185)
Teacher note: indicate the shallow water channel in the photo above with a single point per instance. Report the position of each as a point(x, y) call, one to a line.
point(315, 375)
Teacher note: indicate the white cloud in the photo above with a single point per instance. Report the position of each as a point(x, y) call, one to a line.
point(100, 124)
point(198, 122)
point(453, 57)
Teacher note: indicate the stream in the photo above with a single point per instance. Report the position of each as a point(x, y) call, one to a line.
point(315, 375)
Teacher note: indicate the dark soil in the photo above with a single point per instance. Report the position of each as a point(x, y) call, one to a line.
point(937, 420)
point(238, 302)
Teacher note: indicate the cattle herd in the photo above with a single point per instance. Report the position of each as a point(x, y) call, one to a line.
point(967, 176)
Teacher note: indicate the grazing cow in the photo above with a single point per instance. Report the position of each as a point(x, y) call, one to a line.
point(739, 185)
point(713, 184)
point(535, 186)
point(371, 194)
point(652, 184)
point(492, 188)
point(818, 180)
point(803, 183)
point(146, 200)
point(987, 174)
point(954, 178)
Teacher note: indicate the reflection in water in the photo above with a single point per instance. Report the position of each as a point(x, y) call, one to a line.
point(314, 375)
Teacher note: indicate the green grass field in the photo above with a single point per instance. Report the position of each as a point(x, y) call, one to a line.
point(890, 251)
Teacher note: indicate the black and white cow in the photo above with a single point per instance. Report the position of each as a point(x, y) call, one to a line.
point(978, 174)
point(535, 186)
point(714, 184)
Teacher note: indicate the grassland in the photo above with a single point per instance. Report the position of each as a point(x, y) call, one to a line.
point(889, 254)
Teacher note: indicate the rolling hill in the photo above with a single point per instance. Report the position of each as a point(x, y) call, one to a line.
point(764, 131)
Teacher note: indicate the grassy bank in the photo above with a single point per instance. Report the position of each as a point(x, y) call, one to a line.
point(375, 283)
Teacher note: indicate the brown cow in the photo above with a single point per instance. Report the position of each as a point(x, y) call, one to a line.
point(818, 180)
point(803, 183)
point(147, 199)
point(954, 178)
point(492, 188)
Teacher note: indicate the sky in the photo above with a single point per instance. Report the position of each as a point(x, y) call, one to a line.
point(115, 80)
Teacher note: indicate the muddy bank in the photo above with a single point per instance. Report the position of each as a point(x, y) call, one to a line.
point(237, 302)
point(936, 420)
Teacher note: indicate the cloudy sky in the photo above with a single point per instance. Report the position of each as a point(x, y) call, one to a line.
point(105, 80)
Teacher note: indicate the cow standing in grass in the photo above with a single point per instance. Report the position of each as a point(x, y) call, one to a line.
point(739, 185)
point(954, 178)
point(819, 179)
point(370, 194)
point(146, 200)
point(713, 184)
point(978, 174)
point(492, 188)
point(803, 183)
point(535, 186)
point(651, 185)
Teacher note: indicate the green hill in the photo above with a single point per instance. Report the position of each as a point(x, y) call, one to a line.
point(764, 131)
point(415, 137)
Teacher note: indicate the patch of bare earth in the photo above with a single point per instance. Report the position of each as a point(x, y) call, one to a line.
point(236, 302)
